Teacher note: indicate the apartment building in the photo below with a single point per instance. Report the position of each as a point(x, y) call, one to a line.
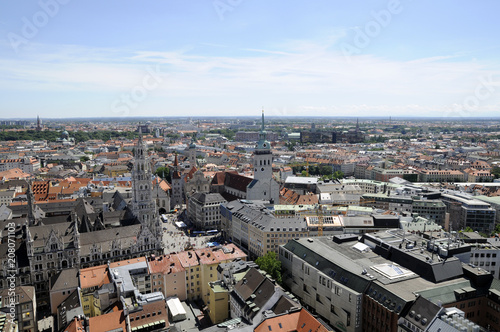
point(466, 211)
point(433, 175)
point(168, 276)
point(6, 197)
point(354, 285)
point(27, 165)
point(254, 228)
point(204, 210)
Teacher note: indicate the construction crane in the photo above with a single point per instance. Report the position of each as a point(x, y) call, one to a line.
point(320, 220)
point(318, 212)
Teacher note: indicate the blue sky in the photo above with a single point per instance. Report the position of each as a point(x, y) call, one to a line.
point(121, 58)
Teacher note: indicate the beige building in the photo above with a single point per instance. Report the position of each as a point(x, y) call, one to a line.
point(253, 227)
point(204, 210)
point(433, 175)
point(6, 196)
point(187, 274)
point(218, 302)
point(168, 276)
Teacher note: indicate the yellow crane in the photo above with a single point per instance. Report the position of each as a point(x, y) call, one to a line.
point(320, 220)
point(318, 212)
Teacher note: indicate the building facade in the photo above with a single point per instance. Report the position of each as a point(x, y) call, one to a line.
point(204, 210)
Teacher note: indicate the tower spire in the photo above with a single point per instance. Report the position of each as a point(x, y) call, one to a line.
point(262, 126)
point(262, 144)
point(140, 133)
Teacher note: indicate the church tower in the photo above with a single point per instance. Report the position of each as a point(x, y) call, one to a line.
point(192, 153)
point(263, 158)
point(143, 205)
point(38, 123)
point(263, 187)
point(177, 186)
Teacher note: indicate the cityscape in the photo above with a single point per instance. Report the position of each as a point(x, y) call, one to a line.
point(227, 165)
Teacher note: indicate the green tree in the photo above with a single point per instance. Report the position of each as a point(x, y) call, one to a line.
point(496, 230)
point(271, 264)
point(164, 173)
point(291, 145)
point(467, 230)
point(496, 171)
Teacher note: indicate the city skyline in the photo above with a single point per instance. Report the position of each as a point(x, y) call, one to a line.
point(221, 58)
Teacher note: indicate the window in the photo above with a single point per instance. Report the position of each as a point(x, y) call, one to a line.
point(332, 309)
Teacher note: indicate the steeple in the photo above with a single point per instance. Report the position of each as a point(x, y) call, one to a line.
point(38, 123)
point(263, 186)
point(262, 144)
point(140, 132)
point(76, 232)
point(262, 126)
point(143, 205)
point(192, 152)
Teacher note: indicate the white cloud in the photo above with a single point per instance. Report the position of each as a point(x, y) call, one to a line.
point(301, 73)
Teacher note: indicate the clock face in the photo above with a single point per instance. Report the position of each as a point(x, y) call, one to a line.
point(262, 169)
point(264, 145)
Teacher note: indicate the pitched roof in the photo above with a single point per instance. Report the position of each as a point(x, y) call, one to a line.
point(94, 276)
point(108, 322)
point(165, 264)
point(64, 279)
point(247, 286)
point(300, 321)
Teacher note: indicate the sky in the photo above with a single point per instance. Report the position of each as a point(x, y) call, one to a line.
point(164, 58)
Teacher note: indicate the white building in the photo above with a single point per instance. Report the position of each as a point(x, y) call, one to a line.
point(263, 186)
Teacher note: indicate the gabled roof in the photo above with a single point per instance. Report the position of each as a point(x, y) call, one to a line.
point(108, 322)
point(64, 279)
point(300, 321)
point(236, 181)
point(249, 284)
point(94, 276)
